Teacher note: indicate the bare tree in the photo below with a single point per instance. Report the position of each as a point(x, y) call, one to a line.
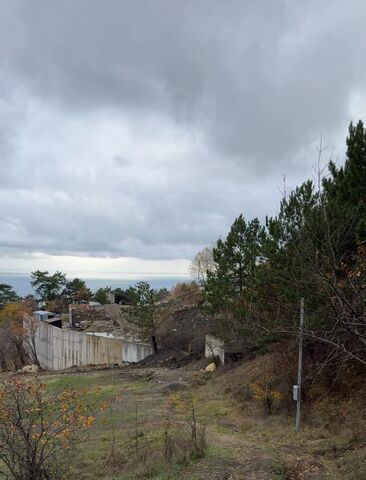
point(202, 263)
point(30, 325)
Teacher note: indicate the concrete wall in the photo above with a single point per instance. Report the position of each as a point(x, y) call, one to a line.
point(214, 348)
point(58, 349)
point(135, 351)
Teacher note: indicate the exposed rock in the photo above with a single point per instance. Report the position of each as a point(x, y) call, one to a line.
point(211, 368)
point(29, 369)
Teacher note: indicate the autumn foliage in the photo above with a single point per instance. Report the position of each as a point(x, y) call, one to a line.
point(12, 352)
point(38, 429)
point(265, 395)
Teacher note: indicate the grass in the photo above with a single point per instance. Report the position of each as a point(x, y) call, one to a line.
point(89, 460)
point(240, 440)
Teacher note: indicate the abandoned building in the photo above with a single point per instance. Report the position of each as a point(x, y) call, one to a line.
point(48, 317)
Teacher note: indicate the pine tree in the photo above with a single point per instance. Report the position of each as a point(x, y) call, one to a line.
point(235, 260)
point(346, 187)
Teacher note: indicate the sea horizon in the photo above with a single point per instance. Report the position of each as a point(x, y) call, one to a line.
point(20, 282)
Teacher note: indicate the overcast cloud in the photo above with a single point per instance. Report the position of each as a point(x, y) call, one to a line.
point(142, 128)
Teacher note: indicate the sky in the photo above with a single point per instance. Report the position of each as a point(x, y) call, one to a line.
point(132, 133)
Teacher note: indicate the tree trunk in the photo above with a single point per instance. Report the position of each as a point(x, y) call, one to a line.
point(20, 352)
point(32, 345)
point(2, 362)
point(154, 344)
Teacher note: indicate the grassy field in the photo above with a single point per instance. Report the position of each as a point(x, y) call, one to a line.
point(127, 438)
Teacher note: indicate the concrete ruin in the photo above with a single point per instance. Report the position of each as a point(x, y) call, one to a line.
point(214, 347)
point(83, 316)
point(59, 349)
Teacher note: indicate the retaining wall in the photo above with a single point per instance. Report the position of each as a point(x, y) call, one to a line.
point(58, 349)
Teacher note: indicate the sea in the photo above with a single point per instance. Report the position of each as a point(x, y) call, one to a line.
point(21, 282)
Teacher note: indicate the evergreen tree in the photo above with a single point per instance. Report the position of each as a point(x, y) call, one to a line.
point(7, 294)
point(346, 187)
point(314, 248)
point(48, 287)
point(235, 260)
point(101, 295)
point(76, 290)
point(144, 311)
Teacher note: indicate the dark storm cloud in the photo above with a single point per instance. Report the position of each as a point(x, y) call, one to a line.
point(142, 128)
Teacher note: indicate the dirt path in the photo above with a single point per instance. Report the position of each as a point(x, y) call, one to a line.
point(229, 455)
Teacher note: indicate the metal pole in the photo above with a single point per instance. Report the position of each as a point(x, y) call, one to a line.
point(299, 368)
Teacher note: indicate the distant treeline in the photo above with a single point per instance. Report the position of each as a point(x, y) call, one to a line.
point(55, 288)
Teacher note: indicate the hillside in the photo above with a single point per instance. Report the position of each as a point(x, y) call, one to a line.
point(242, 443)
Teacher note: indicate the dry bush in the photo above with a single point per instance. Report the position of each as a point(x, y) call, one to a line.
point(13, 354)
point(191, 441)
point(264, 382)
point(38, 430)
point(187, 294)
point(58, 305)
point(265, 395)
point(344, 418)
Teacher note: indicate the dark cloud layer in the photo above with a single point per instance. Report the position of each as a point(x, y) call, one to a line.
point(142, 128)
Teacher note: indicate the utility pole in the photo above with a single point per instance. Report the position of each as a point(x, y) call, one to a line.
point(299, 367)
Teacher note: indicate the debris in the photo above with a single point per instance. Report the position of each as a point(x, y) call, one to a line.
point(29, 369)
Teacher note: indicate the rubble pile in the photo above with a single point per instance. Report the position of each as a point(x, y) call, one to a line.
point(184, 328)
point(91, 317)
